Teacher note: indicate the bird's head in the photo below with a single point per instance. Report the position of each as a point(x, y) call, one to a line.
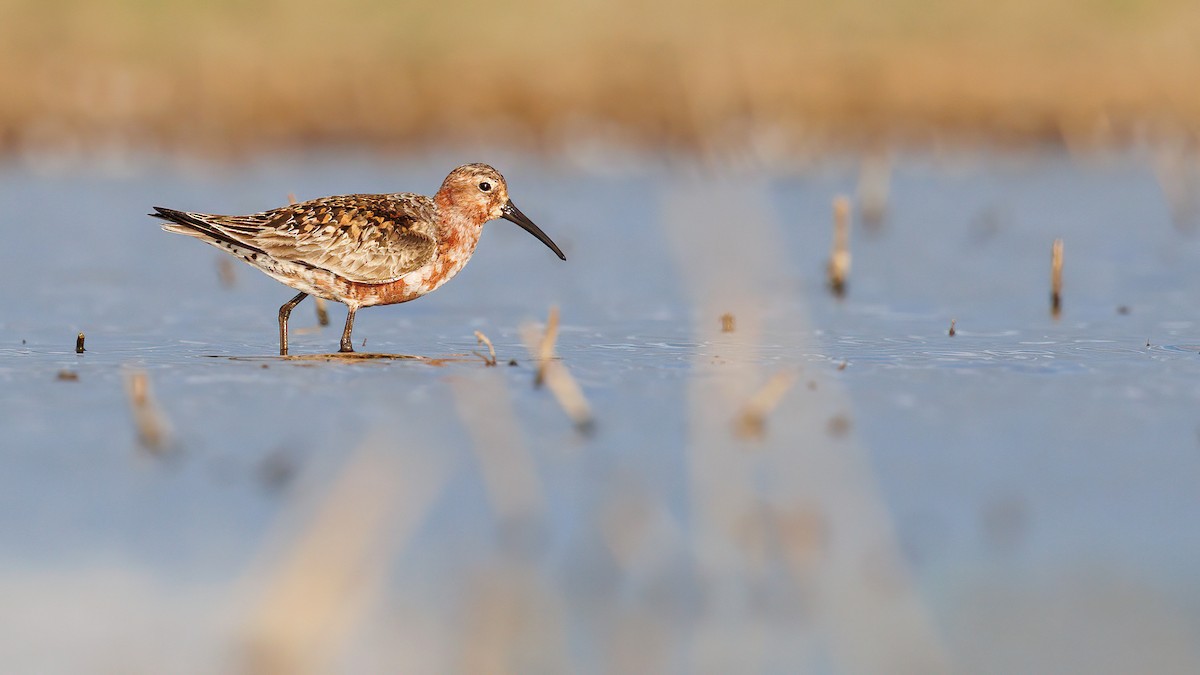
point(481, 191)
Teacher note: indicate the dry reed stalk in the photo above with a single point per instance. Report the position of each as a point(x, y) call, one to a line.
point(728, 323)
point(1177, 167)
point(79, 344)
point(569, 396)
point(490, 359)
point(545, 350)
point(952, 331)
point(226, 272)
point(322, 313)
point(839, 256)
point(751, 422)
point(152, 427)
point(555, 375)
point(874, 180)
point(1056, 264)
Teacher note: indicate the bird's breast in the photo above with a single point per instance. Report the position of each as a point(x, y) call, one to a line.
point(454, 250)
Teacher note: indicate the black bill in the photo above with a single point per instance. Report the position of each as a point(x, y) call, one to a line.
point(511, 212)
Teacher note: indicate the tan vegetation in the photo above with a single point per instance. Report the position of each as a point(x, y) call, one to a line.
point(770, 77)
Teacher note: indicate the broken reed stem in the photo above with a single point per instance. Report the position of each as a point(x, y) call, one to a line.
point(751, 422)
point(873, 185)
point(226, 272)
point(839, 256)
point(952, 331)
point(1056, 264)
point(489, 360)
point(545, 350)
point(79, 344)
point(569, 396)
point(555, 375)
point(1176, 167)
point(151, 427)
point(322, 313)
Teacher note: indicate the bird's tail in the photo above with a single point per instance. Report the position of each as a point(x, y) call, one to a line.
point(198, 225)
point(179, 217)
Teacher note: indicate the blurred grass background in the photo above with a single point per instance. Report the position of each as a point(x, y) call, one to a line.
point(772, 76)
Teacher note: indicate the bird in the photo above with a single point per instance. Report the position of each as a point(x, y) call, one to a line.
point(363, 250)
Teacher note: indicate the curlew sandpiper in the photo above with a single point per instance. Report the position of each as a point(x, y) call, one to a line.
point(363, 250)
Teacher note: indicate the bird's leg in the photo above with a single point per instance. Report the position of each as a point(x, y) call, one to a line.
point(284, 313)
point(346, 344)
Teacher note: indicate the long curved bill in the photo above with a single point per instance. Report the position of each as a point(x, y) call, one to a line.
point(511, 212)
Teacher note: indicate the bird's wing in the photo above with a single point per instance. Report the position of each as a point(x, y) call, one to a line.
point(370, 239)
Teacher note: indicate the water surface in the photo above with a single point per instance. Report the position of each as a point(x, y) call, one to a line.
point(1019, 497)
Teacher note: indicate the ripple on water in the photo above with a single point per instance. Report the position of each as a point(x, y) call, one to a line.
point(1026, 356)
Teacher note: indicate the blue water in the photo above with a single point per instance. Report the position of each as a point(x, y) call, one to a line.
point(1029, 484)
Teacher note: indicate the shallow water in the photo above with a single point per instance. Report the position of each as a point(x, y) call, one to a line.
point(1017, 498)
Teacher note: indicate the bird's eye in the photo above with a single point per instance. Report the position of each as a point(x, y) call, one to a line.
point(485, 186)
